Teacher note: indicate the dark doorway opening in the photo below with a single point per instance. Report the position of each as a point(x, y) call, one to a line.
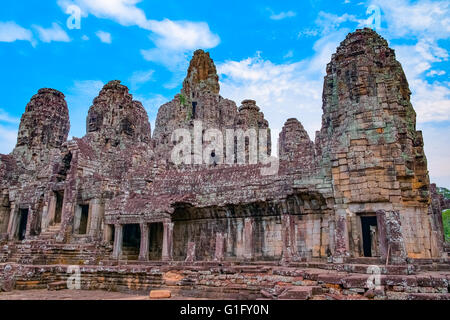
point(59, 205)
point(84, 218)
point(131, 241)
point(194, 109)
point(23, 220)
point(156, 241)
point(369, 227)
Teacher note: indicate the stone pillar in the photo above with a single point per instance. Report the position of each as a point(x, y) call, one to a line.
point(118, 239)
point(107, 233)
point(285, 234)
point(12, 225)
point(392, 245)
point(96, 214)
point(143, 252)
point(190, 257)
point(248, 238)
point(341, 236)
point(167, 248)
point(77, 219)
point(48, 215)
point(220, 241)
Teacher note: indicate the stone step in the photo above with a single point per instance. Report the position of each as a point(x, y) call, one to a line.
point(300, 293)
point(55, 286)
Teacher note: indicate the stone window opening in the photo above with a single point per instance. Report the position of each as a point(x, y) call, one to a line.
point(214, 158)
point(194, 109)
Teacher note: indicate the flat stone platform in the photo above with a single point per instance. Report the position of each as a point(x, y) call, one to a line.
point(239, 282)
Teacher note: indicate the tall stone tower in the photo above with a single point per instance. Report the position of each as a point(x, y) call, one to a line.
point(45, 123)
point(115, 119)
point(44, 127)
point(371, 149)
point(200, 102)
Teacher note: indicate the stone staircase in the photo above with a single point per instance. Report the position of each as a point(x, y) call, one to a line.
point(46, 252)
point(6, 252)
point(51, 232)
point(130, 254)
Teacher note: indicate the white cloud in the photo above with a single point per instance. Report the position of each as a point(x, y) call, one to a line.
point(433, 73)
point(9, 127)
point(423, 17)
point(151, 104)
point(329, 22)
point(55, 33)
point(289, 54)
point(124, 12)
point(8, 139)
point(290, 90)
point(5, 117)
point(435, 144)
point(10, 32)
point(85, 38)
point(425, 22)
point(79, 98)
point(176, 40)
point(282, 15)
point(140, 77)
point(104, 37)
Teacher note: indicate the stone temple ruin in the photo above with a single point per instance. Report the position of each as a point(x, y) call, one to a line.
point(114, 202)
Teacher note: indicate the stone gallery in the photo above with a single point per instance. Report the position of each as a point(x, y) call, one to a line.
point(116, 204)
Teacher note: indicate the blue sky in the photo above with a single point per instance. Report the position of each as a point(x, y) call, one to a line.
point(272, 51)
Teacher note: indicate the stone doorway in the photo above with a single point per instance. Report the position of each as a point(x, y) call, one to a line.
point(131, 241)
point(59, 195)
point(84, 218)
point(23, 221)
point(369, 232)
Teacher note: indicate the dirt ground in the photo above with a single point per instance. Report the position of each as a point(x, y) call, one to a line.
point(68, 295)
point(79, 295)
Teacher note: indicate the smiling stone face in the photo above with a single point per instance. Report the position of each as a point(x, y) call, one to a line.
point(115, 116)
point(45, 123)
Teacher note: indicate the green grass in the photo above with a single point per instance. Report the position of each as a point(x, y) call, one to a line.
point(446, 221)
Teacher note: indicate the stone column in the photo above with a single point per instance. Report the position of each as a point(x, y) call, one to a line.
point(167, 248)
point(392, 244)
point(12, 225)
point(118, 238)
point(97, 209)
point(48, 215)
point(143, 252)
point(286, 237)
point(341, 236)
point(220, 241)
point(190, 256)
point(248, 238)
point(107, 233)
point(77, 219)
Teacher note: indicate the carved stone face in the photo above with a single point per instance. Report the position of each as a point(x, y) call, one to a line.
point(127, 127)
point(94, 122)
